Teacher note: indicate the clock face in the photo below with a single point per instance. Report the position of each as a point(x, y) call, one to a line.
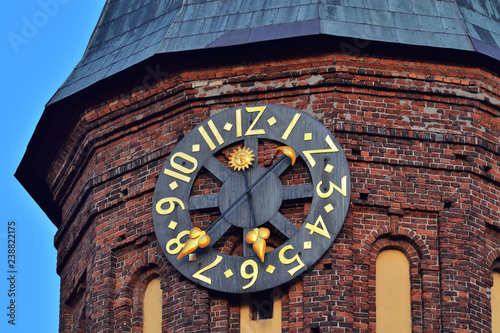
point(234, 214)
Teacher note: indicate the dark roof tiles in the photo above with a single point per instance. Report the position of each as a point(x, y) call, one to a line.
point(129, 31)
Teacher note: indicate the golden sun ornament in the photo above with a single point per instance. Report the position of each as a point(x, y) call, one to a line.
point(241, 158)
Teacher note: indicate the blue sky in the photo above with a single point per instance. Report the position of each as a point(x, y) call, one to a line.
point(41, 42)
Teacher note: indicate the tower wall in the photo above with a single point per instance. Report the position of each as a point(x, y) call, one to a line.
point(421, 139)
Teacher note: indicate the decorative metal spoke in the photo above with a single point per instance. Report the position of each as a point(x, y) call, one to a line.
point(219, 171)
point(284, 225)
point(200, 202)
point(216, 168)
point(282, 167)
point(218, 230)
point(253, 143)
point(298, 192)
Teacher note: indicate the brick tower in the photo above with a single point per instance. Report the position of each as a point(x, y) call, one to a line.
point(409, 90)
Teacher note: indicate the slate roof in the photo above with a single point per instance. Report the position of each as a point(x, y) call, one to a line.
point(130, 31)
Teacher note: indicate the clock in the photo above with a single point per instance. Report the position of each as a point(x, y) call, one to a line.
point(220, 203)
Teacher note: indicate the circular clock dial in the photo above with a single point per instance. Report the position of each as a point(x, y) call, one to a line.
point(251, 198)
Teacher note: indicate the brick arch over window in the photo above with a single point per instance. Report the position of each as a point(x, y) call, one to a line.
point(491, 264)
point(130, 295)
point(372, 242)
point(492, 261)
point(139, 291)
point(423, 267)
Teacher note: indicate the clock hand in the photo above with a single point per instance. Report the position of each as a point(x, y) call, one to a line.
point(201, 240)
point(250, 204)
point(253, 236)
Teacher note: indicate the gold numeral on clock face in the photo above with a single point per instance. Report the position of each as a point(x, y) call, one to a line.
point(291, 126)
point(343, 186)
point(239, 131)
point(332, 149)
point(342, 189)
point(180, 167)
point(170, 209)
point(251, 130)
point(204, 278)
point(323, 231)
point(253, 275)
point(177, 242)
point(215, 132)
point(286, 261)
point(326, 194)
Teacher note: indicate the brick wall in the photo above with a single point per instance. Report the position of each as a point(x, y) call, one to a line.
point(421, 139)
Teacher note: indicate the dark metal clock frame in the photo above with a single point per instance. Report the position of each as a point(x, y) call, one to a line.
point(330, 194)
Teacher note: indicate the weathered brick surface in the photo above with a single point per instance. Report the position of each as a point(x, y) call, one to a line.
point(422, 143)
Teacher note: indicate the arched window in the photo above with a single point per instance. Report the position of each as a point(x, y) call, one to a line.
point(152, 307)
point(392, 290)
point(495, 302)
